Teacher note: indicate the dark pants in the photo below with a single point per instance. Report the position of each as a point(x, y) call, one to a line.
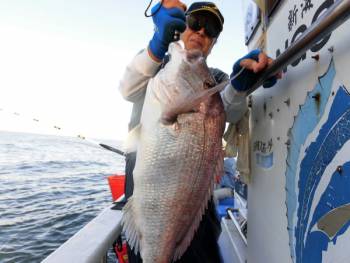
point(204, 247)
point(130, 160)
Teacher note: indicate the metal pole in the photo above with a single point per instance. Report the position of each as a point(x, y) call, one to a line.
point(336, 15)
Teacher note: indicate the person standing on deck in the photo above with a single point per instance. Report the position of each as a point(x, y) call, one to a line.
point(200, 27)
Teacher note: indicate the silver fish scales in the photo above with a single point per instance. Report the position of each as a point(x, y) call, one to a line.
point(178, 156)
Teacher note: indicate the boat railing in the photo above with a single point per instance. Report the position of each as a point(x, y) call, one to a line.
point(92, 242)
point(331, 19)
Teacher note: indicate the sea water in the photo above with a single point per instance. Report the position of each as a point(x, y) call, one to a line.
point(50, 187)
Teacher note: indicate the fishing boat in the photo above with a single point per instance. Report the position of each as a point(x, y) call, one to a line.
point(298, 191)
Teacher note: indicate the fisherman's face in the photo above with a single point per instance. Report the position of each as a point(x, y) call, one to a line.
point(197, 37)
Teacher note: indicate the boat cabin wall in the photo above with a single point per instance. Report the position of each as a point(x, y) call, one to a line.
point(298, 199)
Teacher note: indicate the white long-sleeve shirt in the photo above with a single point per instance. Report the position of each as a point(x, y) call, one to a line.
point(142, 68)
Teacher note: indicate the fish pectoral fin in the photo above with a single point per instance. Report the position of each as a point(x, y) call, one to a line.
point(130, 228)
point(187, 103)
point(130, 145)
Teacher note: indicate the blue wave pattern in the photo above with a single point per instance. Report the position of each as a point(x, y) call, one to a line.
point(332, 136)
point(302, 127)
point(335, 195)
point(50, 188)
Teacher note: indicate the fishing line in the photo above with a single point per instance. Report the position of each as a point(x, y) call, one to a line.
point(149, 5)
point(17, 114)
point(80, 136)
point(104, 146)
point(176, 33)
point(237, 75)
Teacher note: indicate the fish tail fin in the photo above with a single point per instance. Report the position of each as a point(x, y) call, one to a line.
point(184, 104)
point(131, 231)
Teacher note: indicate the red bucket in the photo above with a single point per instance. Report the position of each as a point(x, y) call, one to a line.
point(116, 184)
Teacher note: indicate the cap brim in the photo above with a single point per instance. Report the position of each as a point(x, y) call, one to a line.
point(216, 15)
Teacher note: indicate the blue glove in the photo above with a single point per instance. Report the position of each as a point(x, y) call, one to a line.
point(243, 79)
point(166, 21)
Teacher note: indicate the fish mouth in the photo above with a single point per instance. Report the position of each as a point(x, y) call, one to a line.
point(194, 54)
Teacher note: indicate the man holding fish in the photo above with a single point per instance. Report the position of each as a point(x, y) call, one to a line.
point(179, 111)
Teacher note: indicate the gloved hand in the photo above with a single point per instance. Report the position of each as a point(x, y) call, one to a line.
point(166, 21)
point(245, 70)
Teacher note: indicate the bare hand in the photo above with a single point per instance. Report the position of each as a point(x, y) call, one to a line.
point(174, 3)
point(256, 66)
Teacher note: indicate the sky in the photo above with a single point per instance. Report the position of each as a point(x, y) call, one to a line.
point(61, 62)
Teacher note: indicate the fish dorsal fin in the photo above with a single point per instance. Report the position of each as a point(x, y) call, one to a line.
point(130, 228)
point(130, 145)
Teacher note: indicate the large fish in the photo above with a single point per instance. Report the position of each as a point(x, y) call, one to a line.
point(179, 153)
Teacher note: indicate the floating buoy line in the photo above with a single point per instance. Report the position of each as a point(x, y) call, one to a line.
point(58, 128)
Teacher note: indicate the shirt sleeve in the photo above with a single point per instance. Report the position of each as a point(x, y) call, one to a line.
point(235, 103)
point(136, 76)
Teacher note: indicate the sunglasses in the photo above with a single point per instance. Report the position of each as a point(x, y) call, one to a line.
point(210, 25)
